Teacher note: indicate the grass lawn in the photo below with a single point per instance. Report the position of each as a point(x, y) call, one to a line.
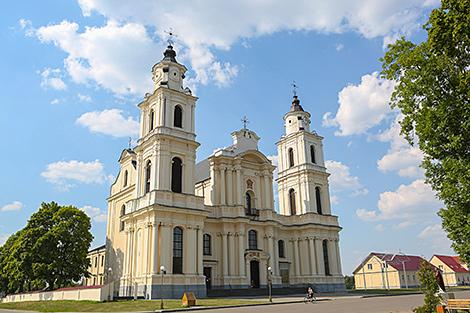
point(116, 306)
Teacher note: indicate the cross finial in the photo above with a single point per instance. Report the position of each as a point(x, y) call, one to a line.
point(171, 35)
point(294, 88)
point(245, 121)
point(130, 142)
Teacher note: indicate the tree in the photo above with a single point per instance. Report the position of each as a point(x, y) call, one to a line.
point(349, 282)
point(429, 287)
point(432, 92)
point(50, 251)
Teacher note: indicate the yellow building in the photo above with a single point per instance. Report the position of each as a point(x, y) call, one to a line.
point(213, 225)
point(387, 271)
point(97, 267)
point(454, 271)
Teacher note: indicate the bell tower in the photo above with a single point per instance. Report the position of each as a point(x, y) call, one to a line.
point(302, 177)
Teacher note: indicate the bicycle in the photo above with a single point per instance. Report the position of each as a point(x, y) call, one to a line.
point(310, 299)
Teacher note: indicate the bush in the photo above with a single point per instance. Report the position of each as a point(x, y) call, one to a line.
point(429, 287)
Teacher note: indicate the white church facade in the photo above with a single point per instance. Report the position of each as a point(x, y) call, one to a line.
point(213, 225)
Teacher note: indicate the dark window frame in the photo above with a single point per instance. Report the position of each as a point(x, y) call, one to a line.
point(177, 175)
point(326, 260)
point(290, 153)
point(148, 175)
point(312, 154)
point(252, 240)
point(292, 202)
point(281, 249)
point(178, 117)
point(318, 200)
point(177, 250)
point(207, 244)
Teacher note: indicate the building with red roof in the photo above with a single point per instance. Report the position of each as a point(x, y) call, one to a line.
point(454, 271)
point(387, 271)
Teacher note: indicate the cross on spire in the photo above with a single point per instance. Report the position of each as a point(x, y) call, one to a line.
point(245, 121)
point(171, 35)
point(294, 88)
point(130, 142)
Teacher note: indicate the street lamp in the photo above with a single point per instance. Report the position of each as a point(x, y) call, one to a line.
point(108, 274)
point(270, 273)
point(162, 271)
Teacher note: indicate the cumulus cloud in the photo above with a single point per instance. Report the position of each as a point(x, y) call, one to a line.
point(14, 206)
point(342, 180)
point(361, 106)
point(118, 55)
point(96, 214)
point(339, 47)
point(409, 202)
point(51, 78)
point(84, 98)
point(63, 173)
point(435, 235)
point(109, 122)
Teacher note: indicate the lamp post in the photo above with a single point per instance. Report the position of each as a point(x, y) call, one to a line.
point(270, 273)
point(108, 274)
point(162, 271)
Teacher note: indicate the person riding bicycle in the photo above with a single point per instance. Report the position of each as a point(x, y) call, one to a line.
point(310, 295)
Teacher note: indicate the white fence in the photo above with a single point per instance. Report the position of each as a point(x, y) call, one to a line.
point(93, 293)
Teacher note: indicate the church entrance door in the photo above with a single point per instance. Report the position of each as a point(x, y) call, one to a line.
point(208, 274)
point(254, 274)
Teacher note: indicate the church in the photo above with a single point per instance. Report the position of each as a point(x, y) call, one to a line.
point(175, 225)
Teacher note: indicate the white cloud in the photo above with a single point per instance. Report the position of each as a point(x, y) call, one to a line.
point(334, 199)
point(84, 98)
point(110, 122)
point(62, 173)
point(96, 214)
point(437, 238)
point(342, 180)
point(118, 56)
point(339, 47)
point(55, 101)
point(362, 106)
point(4, 238)
point(14, 206)
point(379, 227)
point(416, 201)
point(51, 78)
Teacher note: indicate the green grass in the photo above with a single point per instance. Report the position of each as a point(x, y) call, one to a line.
point(116, 306)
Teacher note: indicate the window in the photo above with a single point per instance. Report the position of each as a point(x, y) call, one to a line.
point(122, 213)
point(177, 250)
point(325, 257)
point(176, 175)
point(312, 153)
point(369, 266)
point(102, 260)
point(151, 120)
point(291, 157)
point(318, 199)
point(207, 244)
point(402, 276)
point(252, 240)
point(148, 174)
point(178, 117)
point(96, 261)
point(281, 249)
point(126, 175)
point(293, 209)
point(94, 281)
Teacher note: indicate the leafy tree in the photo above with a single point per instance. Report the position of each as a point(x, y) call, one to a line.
point(349, 282)
point(432, 92)
point(429, 287)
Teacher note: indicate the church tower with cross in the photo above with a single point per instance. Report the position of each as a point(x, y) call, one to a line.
point(178, 226)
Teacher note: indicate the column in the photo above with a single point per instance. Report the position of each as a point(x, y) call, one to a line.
point(338, 257)
point(267, 198)
point(213, 172)
point(313, 257)
point(200, 263)
point(332, 257)
point(222, 186)
point(155, 261)
point(296, 257)
point(320, 260)
point(231, 253)
point(239, 186)
point(229, 187)
point(271, 252)
point(127, 254)
point(146, 244)
point(276, 257)
point(241, 255)
point(166, 251)
point(189, 250)
point(224, 255)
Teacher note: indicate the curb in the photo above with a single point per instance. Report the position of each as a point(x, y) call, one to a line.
point(391, 295)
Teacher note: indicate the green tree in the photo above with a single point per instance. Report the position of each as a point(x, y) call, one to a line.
point(432, 92)
point(349, 282)
point(429, 287)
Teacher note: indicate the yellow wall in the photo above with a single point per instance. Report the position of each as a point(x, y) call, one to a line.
point(450, 277)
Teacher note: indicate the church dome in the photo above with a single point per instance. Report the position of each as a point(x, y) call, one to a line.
point(169, 54)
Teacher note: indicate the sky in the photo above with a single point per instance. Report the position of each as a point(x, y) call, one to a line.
point(72, 73)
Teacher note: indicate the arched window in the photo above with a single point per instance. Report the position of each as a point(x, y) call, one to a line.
point(122, 213)
point(176, 175)
point(249, 202)
point(151, 120)
point(126, 176)
point(281, 249)
point(293, 208)
point(318, 199)
point(325, 257)
point(291, 157)
point(252, 240)
point(312, 154)
point(178, 117)
point(207, 244)
point(148, 174)
point(177, 250)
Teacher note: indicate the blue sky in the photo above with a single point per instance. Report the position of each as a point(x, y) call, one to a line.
point(73, 72)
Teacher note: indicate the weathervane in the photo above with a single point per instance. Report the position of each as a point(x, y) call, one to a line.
point(171, 35)
point(294, 88)
point(245, 121)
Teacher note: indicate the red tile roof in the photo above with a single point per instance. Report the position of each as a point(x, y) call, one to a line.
point(397, 261)
point(453, 262)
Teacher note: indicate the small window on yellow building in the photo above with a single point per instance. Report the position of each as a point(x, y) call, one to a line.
point(369, 266)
